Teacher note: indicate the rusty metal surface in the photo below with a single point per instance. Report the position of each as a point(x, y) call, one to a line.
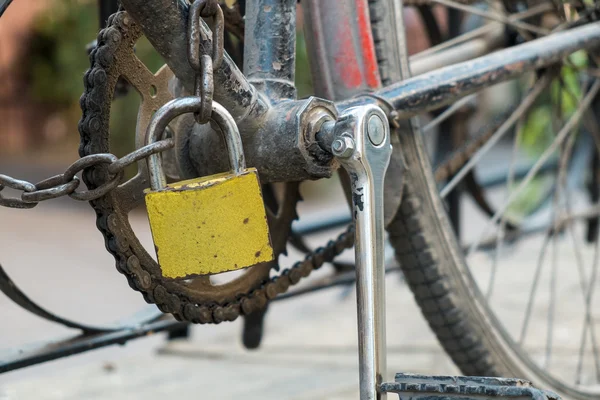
point(289, 132)
point(413, 386)
point(43, 352)
point(65, 184)
point(413, 96)
point(438, 88)
point(270, 47)
point(112, 212)
point(234, 20)
point(165, 23)
point(202, 61)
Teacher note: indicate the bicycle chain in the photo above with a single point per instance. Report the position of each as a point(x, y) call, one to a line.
point(129, 264)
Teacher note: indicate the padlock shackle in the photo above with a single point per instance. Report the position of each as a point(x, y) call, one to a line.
point(184, 105)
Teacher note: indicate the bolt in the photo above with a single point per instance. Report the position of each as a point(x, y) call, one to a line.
point(343, 147)
point(376, 130)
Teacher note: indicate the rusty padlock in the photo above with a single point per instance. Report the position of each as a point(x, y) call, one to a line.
point(211, 224)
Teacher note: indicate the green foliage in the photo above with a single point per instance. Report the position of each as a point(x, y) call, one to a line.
point(565, 94)
point(539, 129)
point(56, 60)
point(529, 198)
point(303, 77)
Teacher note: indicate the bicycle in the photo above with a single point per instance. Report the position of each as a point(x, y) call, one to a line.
point(527, 40)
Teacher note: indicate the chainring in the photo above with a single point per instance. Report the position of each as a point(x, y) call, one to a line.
point(198, 299)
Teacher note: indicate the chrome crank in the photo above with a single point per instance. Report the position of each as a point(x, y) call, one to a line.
point(362, 146)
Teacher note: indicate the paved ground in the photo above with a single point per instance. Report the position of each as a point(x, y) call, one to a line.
point(56, 254)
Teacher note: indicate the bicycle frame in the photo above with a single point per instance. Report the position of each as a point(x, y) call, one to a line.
point(257, 103)
point(257, 97)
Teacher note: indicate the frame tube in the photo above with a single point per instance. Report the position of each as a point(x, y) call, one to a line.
point(446, 85)
point(164, 22)
point(270, 47)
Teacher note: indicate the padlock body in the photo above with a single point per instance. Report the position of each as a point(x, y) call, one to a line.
point(209, 225)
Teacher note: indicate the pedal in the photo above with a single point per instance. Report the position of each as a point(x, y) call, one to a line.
point(415, 387)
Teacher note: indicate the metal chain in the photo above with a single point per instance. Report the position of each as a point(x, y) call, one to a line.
point(199, 58)
point(66, 184)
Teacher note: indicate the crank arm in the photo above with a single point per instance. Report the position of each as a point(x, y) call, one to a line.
point(362, 146)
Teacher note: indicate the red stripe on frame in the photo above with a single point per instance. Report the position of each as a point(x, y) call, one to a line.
point(346, 57)
point(366, 42)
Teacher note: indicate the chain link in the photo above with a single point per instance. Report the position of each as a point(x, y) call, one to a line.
point(51, 188)
point(66, 184)
point(7, 181)
point(200, 60)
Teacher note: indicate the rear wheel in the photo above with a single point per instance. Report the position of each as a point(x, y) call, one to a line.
point(545, 335)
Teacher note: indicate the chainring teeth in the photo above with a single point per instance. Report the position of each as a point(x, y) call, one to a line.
point(99, 86)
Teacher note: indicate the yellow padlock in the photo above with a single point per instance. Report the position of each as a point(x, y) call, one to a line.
point(211, 224)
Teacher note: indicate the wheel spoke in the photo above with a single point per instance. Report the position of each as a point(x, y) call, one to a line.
point(591, 124)
point(489, 241)
point(560, 137)
point(534, 284)
point(584, 289)
point(138, 76)
point(529, 100)
point(588, 325)
point(552, 302)
point(480, 31)
point(493, 16)
point(448, 113)
point(588, 320)
point(465, 37)
point(509, 183)
point(580, 358)
point(558, 196)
